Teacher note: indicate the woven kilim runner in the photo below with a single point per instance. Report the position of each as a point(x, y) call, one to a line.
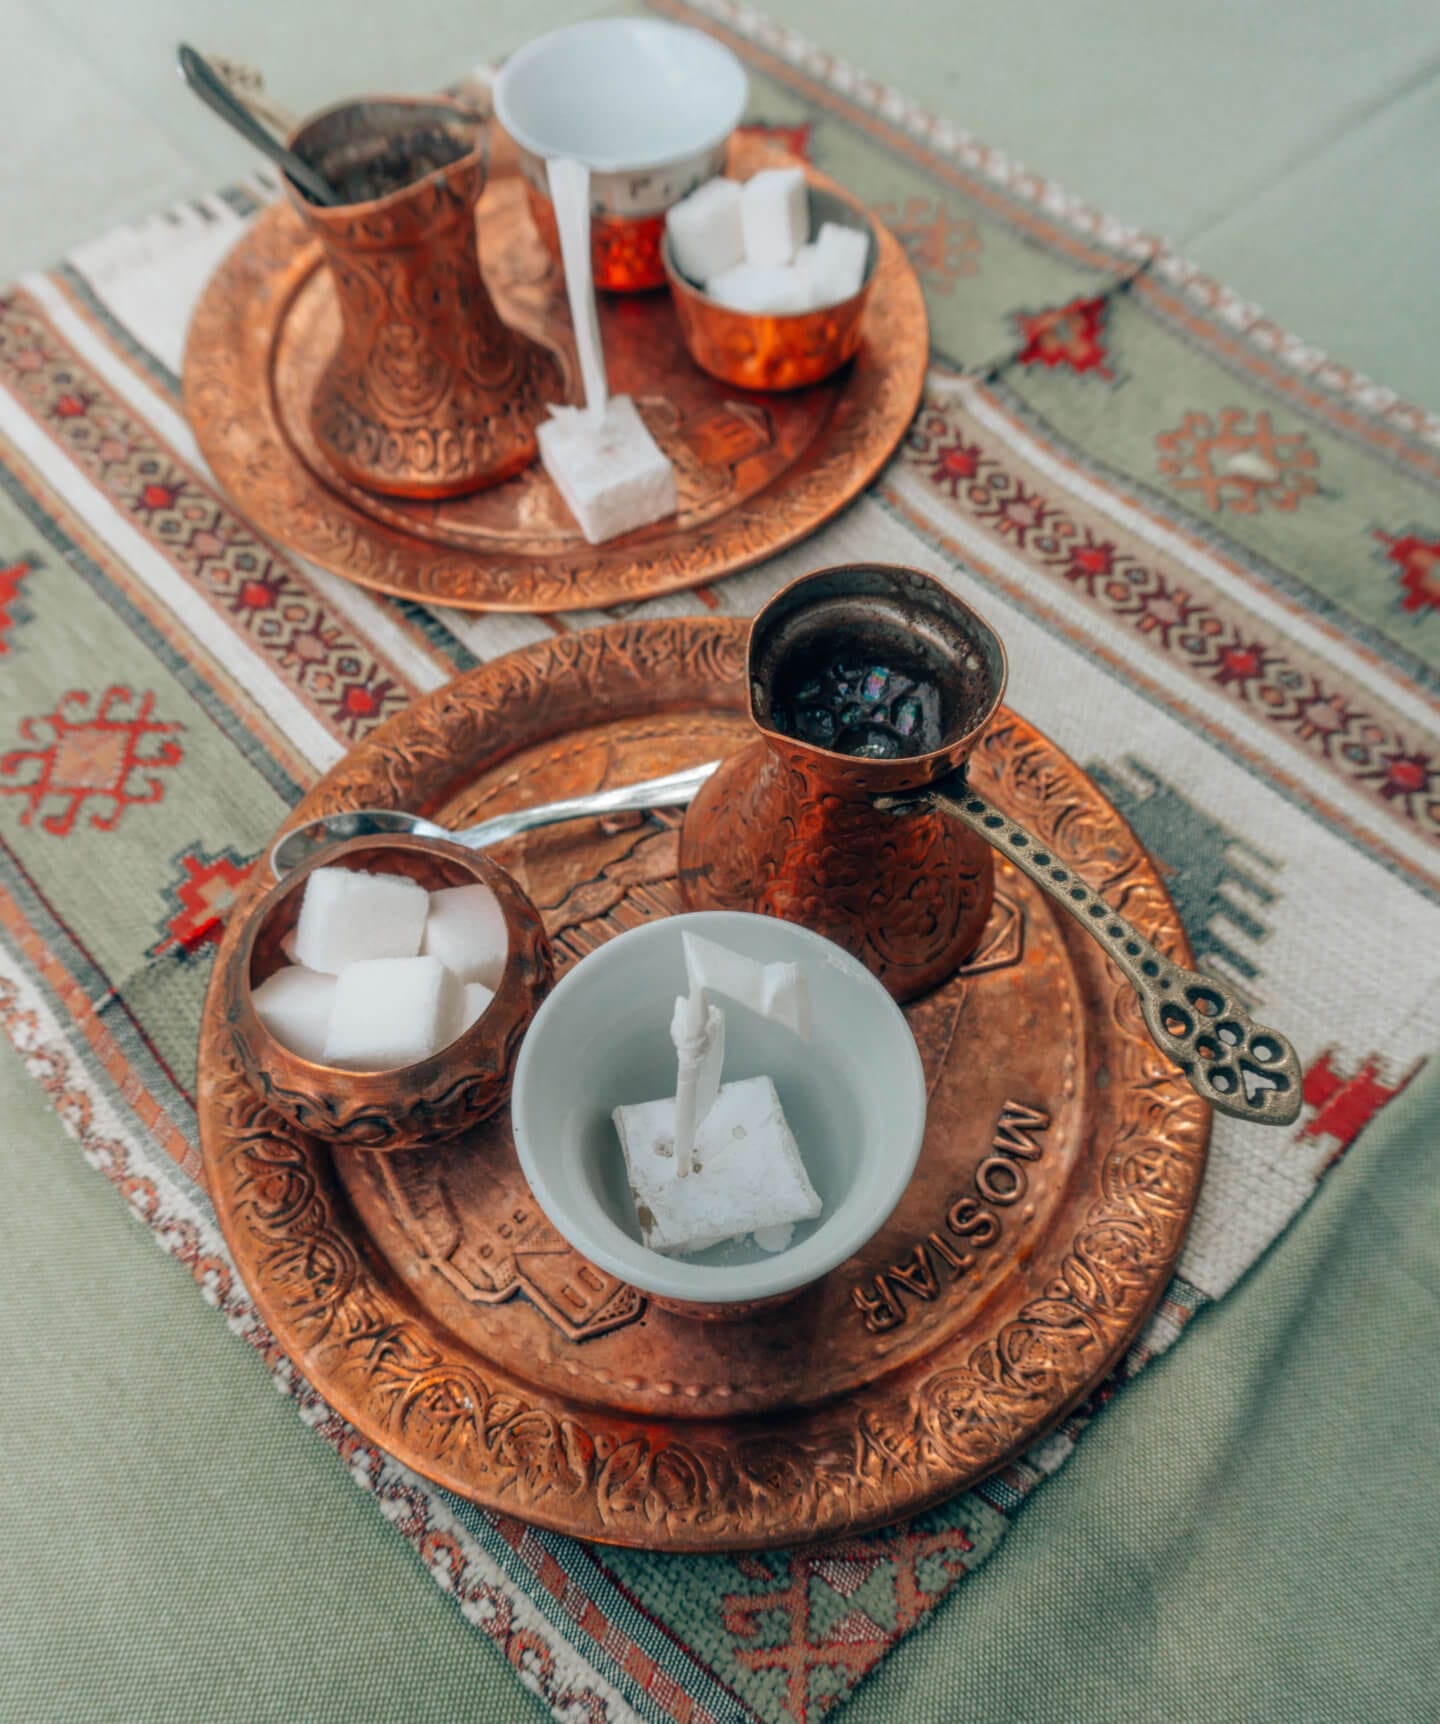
point(1214, 556)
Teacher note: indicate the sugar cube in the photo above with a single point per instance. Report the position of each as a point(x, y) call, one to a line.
point(476, 998)
point(704, 229)
point(807, 267)
point(841, 254)
point(466, 931)
point(392, 1012)
point(347, 915)
point(610, 471)
point(748, 1172)
point(294, 1005)
point(777, 289)
point(774, 215)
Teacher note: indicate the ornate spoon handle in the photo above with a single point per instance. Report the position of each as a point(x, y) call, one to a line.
point(1238, 1066)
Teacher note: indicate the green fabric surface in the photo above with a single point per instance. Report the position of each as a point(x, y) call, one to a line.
point(1250, 1532)
point(1246, 134)
point(174, 1543)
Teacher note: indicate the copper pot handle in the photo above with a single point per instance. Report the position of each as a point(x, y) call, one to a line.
point(1240, 1067)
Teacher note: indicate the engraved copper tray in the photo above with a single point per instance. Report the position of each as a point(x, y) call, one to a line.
point(755, 472)
point(429, 1301)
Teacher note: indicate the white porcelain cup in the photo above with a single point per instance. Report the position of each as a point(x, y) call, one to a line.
point(647, 106)
point(853, 1095)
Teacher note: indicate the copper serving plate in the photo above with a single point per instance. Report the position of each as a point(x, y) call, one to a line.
point(427, 1299)
point(756, 472)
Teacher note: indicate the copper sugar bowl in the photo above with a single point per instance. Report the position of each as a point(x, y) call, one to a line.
point(399, 1107)
point(428, 393)
point(865, 681)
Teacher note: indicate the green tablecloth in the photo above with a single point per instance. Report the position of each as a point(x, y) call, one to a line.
point(1248, 1532)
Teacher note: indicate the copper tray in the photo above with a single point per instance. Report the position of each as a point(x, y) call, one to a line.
point(428, 1300)
point(756, 472)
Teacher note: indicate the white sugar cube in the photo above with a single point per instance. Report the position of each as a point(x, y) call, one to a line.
point(777, 289)
point(392, 1012)
point(347, 916)
point(774, 215)
point(611, 472)
point(466, 931)
point(841, 254)
point(294, 1005)
point(476, 998)
point(704, 229)
point(807, 267)
point(748, 1173)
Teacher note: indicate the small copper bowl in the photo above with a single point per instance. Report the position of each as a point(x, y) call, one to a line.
point(402, 1107)
point(760, 350)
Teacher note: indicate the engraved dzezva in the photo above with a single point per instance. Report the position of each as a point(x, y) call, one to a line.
point(755, 473)
point(431, 1304)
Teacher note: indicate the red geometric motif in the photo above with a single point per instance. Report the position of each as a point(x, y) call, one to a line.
point(1419, 563)
point(1345, 1106)
point(844, 1652)
point(793, 140)
point(1069, 335)
point(90, 758)
point(1235, 468)
point(10, 580)
point(201, 899)
point(941, 246)
point(1254, 671)
point(288, 623)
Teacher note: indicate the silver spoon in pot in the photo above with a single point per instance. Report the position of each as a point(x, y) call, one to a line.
point(217, 95)
point(675, 790)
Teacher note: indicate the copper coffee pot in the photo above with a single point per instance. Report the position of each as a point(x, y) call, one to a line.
point(428, 393)
point(870, 686)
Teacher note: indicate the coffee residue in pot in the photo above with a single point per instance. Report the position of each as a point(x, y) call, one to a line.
point(376, 169)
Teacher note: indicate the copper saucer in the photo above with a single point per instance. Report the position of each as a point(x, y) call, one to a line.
point(429, 1301)
point(756, 472)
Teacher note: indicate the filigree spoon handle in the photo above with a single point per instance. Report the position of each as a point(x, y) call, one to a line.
point(1238, 1066)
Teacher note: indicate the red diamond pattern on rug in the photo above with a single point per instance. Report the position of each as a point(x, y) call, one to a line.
point(1201, 634)
point(1418, 560)
point(10, 611)
point(1069, 336)
point(108, 756)
point(200, 899)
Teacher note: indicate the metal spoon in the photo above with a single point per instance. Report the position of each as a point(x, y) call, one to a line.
point(676, 790)
point(1240, 1067)
point(208, 85)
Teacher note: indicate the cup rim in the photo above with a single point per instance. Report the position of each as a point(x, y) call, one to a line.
point(676, 1278)
point(601, 162)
